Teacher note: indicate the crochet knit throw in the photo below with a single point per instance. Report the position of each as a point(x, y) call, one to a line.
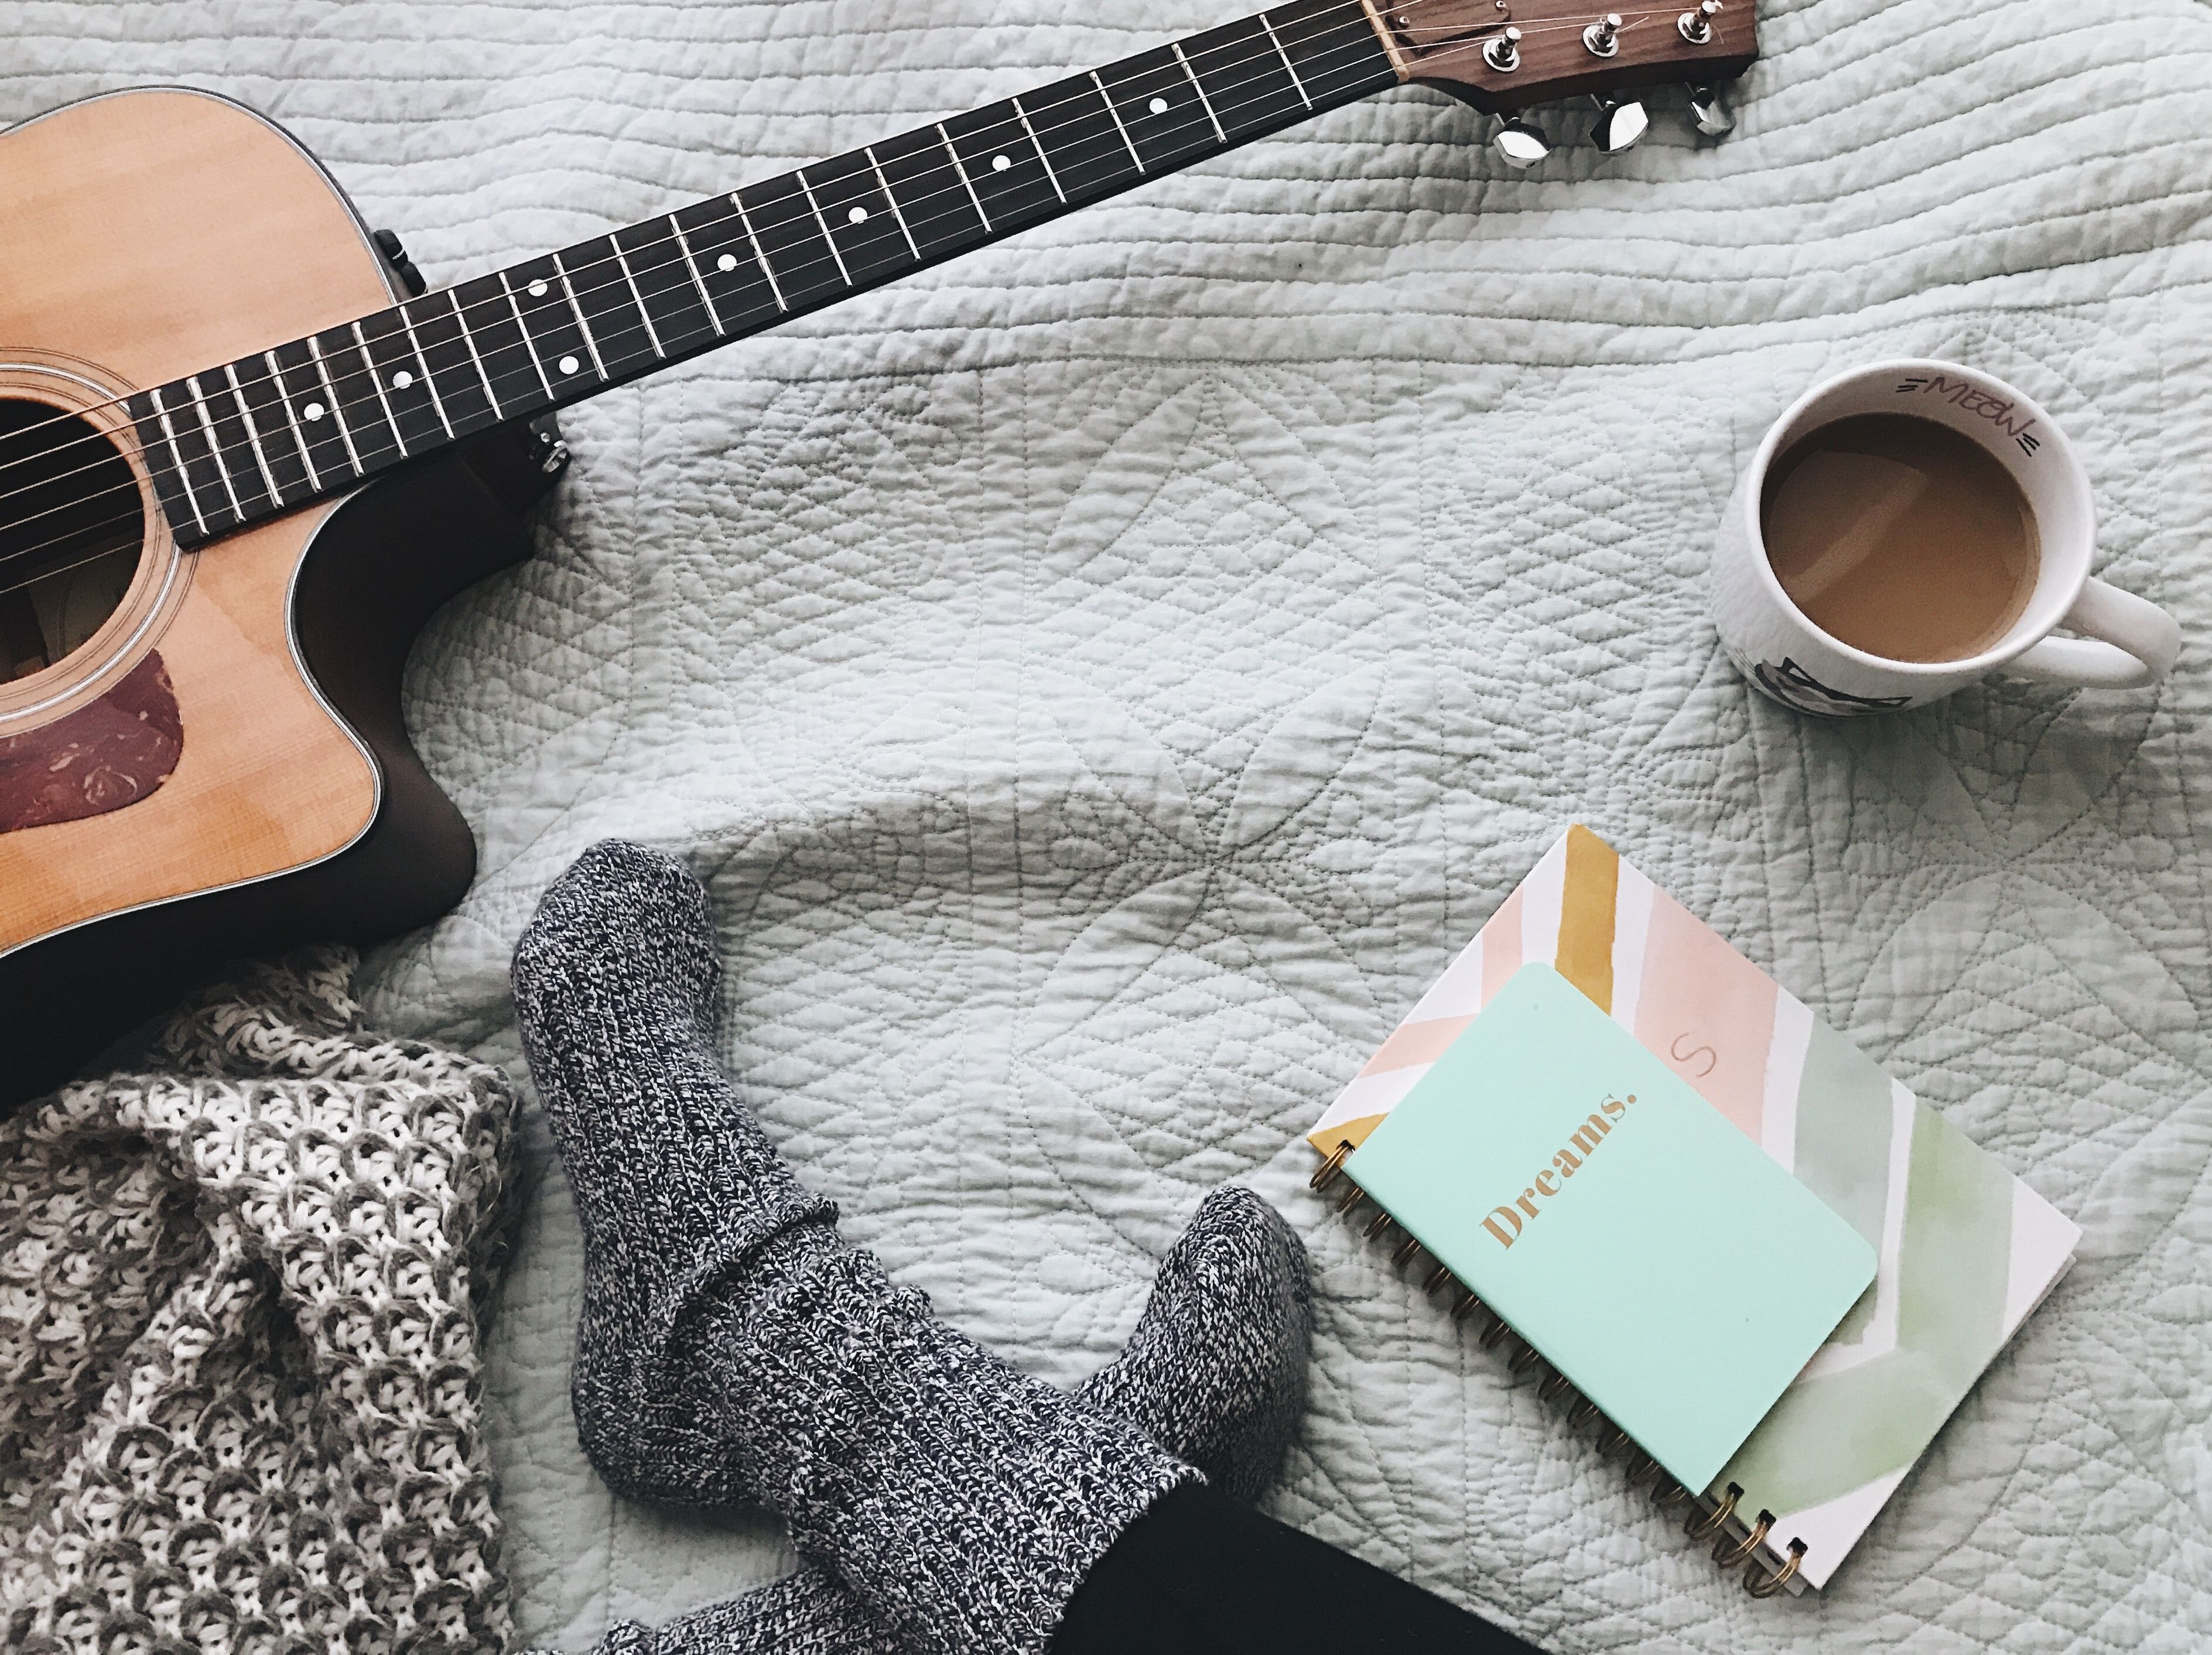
point(239, 1370)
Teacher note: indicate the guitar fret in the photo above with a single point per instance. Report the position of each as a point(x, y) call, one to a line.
point(1005, 167)
point(809, 265)
point(859, 218)
point(1292, 68)
point(918, 167)
point(184, 472)
point(307, 459)
point(459, 397)
point(834, 252)
point(233, 443)
point(528, 343)
point(261, 405)
point(683, 242)
point(429, 378)
point(1053, 177)
point(376, 383)
point(254, 435)
point(300, 375)
point(961, 168)
point(739, 286)
point(577, 310)
point(1332, 49)
point(1200, 90)
point(674, 320)
point(215, 444)
point(760, 258)
point(897, 213)
point(1084, 141)
point(468, 338)
point(356, 384)
point(170, 488)
point(223, 419)
point(401, 380)
point(651, 333)
point(1119, 126)
point(546, 311)
point(609, 313)
point(485, 311)
point(337, 414)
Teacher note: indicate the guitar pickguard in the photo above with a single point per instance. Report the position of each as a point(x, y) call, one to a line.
point(103, 756)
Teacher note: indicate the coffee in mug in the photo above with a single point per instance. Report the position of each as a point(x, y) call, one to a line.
point(1908, 527)
point(1900, 537)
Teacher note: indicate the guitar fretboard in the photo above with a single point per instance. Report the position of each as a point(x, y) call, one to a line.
point(231, 445)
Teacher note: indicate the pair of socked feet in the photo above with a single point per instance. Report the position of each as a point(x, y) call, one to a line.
point(734, 1348)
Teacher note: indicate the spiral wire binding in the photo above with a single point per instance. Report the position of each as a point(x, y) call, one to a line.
point(1708, 1517)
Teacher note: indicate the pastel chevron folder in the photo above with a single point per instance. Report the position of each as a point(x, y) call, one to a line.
point(1965, 1251)
point(1566, 1175)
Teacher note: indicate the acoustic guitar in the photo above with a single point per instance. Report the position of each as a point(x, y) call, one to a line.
point(232, 489)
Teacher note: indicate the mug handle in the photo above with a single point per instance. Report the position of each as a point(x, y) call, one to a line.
point(2131, 642)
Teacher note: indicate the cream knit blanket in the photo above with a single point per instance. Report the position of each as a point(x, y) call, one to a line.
point(239, 1330)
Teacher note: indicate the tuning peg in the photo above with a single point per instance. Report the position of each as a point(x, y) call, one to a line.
point(1708, 108)
point(1521, 143)
point(1620, 126)
point(1697, 26)
point(1602, 38)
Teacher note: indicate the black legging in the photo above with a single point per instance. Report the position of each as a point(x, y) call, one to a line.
point(1202, 1574)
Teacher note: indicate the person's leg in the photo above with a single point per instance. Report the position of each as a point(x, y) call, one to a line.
point(1234, 1285)
point(1199, 1574)
point(732, 1343)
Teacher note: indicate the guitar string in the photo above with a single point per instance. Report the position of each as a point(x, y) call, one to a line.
point(1356, 25)
point(220, 451)
point(225, 453)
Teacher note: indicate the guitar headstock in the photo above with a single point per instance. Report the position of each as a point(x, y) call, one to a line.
point(1503, 56)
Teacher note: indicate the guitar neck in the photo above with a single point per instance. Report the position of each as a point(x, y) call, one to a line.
point(228, 446)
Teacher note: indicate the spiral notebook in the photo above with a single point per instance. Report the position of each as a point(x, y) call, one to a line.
point(1965, 1251)
point(1559, 1170)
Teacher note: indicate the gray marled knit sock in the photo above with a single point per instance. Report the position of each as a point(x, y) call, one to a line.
point(616, 982)
point(960, 1501)
point(809, 1613)
point(1215, 1373)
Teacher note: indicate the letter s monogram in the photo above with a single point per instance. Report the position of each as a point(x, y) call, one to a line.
point(1712, 1058)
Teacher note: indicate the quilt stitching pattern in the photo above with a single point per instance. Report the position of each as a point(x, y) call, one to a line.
point(1104, 678)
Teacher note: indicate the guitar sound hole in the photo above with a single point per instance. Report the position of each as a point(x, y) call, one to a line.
point(71, 527)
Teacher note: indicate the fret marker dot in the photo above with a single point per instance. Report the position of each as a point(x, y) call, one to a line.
point(728, 261)
point(1159, 105)
point(536, 289)
point(569, 365)
point(402, 380)
point(314, 410)
point(857, 215)
point(999, 163)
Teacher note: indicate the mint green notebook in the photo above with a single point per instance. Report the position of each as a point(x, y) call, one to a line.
point(1619, 1224)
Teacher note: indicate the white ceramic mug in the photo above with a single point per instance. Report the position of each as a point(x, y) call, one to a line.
point(2123, 640)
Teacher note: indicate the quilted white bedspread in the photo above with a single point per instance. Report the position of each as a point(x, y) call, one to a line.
point(1103, 680)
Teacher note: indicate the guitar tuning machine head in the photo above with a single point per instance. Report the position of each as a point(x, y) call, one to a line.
point(1519, 141)
point(1620, 124)
point(1502, 52)
point(1696, 26)
point(1708, 108)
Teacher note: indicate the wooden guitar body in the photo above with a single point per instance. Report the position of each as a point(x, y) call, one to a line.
point(222, 767)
